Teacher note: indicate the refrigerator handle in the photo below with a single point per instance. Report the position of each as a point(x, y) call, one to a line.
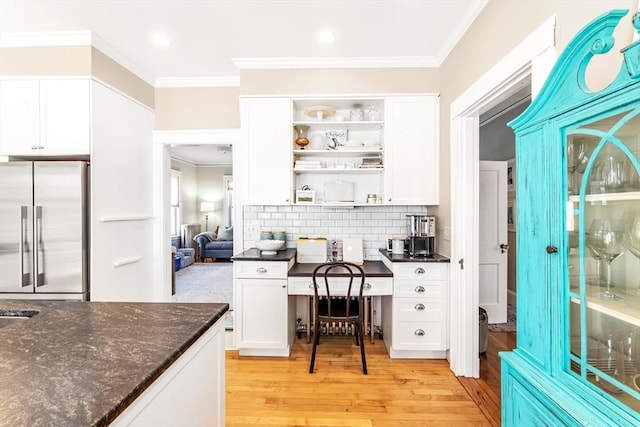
point(25, 278)
point(39, 249)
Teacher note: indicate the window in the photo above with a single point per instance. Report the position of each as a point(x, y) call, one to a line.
point(175, 203)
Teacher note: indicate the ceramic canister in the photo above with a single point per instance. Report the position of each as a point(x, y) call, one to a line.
point(266, 235)
point(397, 245)
point(280, 235)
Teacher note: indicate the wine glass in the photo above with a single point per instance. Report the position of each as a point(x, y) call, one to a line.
point(633, 233)
point(577, 159)
point(593, 238)
point(611, 240)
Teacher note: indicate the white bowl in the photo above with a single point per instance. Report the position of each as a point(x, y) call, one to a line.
point(269, 247)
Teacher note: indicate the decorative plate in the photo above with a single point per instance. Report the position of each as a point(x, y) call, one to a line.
point(320, 112)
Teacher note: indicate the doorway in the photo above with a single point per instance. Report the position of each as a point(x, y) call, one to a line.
point(531, 61)
point(164, 143)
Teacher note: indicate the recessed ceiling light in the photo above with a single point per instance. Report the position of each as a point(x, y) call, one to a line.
point(161, 40)
point(326, 36)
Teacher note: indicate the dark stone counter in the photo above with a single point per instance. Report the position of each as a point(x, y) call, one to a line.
point(371, 269)
point(255, 255)
point(82, 363)
point(406, 258)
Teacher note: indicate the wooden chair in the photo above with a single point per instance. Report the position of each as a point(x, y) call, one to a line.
point(347, 310)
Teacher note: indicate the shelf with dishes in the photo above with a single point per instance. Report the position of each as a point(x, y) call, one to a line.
point(341, 151)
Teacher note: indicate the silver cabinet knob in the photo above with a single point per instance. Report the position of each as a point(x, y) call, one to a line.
point(367, 286)
point(419, 270)
point(34, 147)
point(419, 289)
point(419, 332)
point(261, 270)
point(419, 307)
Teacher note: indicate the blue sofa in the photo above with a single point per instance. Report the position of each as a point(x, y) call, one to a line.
point(217, 244)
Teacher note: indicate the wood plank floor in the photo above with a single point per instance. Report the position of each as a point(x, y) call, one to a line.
point(281, 392)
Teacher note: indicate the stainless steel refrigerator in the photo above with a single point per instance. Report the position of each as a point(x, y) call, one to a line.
point(43, 230)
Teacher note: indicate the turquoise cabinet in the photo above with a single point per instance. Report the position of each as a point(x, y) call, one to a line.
point(577, 360)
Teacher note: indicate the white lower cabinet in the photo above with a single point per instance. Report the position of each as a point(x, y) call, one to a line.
point(191, 392)
point(415, 318)
point(264, 312)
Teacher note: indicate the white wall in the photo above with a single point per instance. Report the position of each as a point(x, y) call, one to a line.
point(211, 189)
point(374, 224)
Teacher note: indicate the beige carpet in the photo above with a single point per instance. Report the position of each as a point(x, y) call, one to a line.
point(205, 282)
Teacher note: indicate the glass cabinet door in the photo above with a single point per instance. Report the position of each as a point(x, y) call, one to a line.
point(603, 254)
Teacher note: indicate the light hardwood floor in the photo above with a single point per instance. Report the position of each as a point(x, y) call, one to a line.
point(281, 392)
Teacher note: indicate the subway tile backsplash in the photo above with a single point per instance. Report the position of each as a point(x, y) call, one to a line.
point(374, 224)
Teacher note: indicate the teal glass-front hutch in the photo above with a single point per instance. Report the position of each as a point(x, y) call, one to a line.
point(577, 360)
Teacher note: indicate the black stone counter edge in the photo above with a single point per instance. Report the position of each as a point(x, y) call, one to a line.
point(137, 391)
point(406, 258)
point(254, 254)
point(371, 269)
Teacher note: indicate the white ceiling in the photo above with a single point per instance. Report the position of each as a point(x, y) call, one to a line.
point(207, 35)
point(211, 39)
point(203, 155)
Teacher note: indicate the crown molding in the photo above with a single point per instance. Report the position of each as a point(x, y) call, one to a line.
point(57, 38)
point(459, 30)
point(229, 81)
point(73, 38)
point(321, 62)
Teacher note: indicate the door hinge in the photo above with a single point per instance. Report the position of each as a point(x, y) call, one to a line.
point(461, 262)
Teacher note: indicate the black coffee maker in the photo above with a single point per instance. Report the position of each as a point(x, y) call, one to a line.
point(421, 241)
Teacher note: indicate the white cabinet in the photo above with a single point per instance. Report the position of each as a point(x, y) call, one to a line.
point(266, 137)
point(412, 150)
point(415, 318)
point(264, 312)
point(190, 392)
point(45, 117)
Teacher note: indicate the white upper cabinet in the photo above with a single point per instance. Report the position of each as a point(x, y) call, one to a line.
point(19, 117)
point(45, 117)
point(412, 150)
point(266, 139)
point(65, 116)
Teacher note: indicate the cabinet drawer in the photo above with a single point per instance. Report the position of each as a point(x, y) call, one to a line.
point(261, 269)
point(425, 309)
point(420, 335)
point(420, 270)
point(420, 288)
point(372, 286)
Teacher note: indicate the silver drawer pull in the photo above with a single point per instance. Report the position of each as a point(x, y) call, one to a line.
point(261, 270)
point(367, 286)
point(419, 289)
point(310, 285)
point(419, 332)
point(419, 270)
point(419, 307)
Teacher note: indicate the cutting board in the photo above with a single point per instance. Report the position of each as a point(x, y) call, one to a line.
point(352, 250)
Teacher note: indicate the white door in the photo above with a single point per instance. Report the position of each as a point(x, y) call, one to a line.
point(493, 240)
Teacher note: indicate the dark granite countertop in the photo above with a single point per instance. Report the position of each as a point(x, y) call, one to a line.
point(255, 255)
point(406, 258)
point(371, 269)
point(82, 363)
